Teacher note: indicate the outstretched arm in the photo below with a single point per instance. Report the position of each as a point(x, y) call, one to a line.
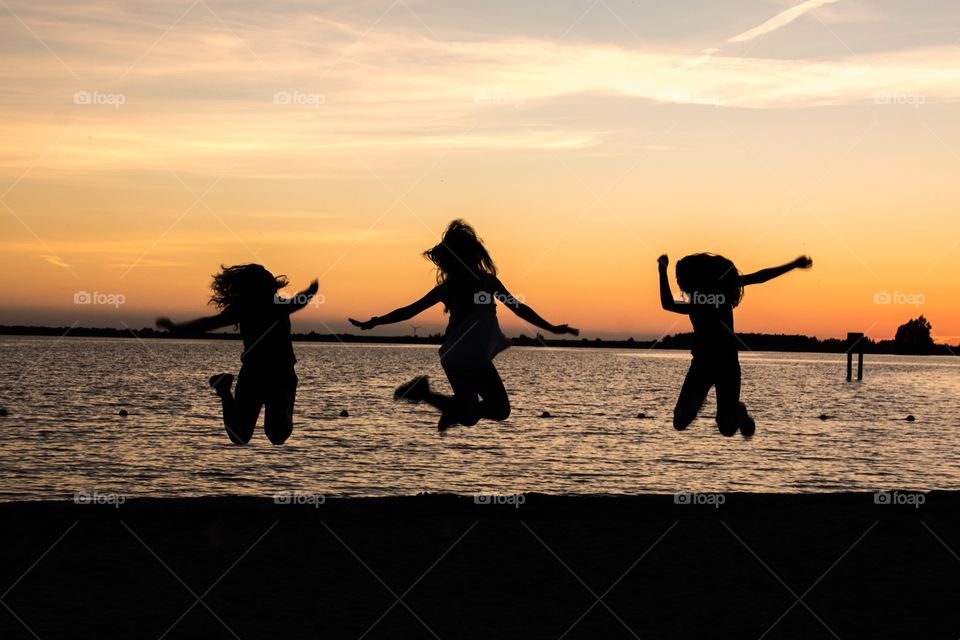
point(303, 298)
point(524, 312)
point(666, 294)
point(200, 325)
point(403, 313)
point(765, 275)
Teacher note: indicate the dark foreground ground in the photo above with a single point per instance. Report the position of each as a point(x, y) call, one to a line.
point(837, 566)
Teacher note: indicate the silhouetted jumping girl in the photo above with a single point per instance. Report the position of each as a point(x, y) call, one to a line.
point(247, 296)
point(468, 286)
point(713, 288)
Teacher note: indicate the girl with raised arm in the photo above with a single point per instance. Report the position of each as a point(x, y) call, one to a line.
point(247, 296)
point(468, 287)
point(713, 288)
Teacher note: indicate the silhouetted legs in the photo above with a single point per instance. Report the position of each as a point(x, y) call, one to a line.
point(693, 394)
point(728, 399)
point(725, 376)
point(477, 394)
point(276, 390)
point(278, 417)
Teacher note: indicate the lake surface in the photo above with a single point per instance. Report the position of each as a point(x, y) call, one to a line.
point(63, 434)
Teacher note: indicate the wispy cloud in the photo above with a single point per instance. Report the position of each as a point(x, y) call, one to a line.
point(316, 95)
point(55, 261)
point(781, 20)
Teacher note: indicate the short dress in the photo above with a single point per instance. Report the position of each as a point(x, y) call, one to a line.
point(474, 337)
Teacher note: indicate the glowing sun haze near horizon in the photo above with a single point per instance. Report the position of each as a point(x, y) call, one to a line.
point(144, 145)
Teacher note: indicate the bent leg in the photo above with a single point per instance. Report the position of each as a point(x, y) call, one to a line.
point(747, 425)
point(729, 409)
point(692, 395)
point(496, 403)
point(464, 406)
point(241, 409)
point(278, 418)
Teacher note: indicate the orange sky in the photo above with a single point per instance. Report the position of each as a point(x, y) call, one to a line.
point(141, 149)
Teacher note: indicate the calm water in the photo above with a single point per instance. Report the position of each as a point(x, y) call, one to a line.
point(63, 433)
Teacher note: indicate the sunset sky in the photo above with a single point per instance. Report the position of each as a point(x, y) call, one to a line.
point(145, 143)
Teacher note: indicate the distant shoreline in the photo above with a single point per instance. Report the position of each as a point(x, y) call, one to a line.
point(677, 342)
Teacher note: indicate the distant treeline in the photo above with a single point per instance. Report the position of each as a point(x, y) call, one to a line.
point(680, 341)
point(753, 342)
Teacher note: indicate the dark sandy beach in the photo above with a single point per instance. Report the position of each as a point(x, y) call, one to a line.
point(813, 566)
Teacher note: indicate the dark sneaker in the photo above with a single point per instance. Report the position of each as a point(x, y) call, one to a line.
point(221, 383)
point(414, 391)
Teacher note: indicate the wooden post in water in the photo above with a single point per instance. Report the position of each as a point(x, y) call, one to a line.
point(854, 343)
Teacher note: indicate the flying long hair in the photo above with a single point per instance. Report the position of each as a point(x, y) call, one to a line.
point(707, 274)
point(461, 256)
point(244, 285)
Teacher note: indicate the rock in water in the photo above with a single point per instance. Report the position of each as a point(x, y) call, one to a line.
point(344, 414)
point(4, 412)
point(824, 416)
point(123, 413)
point(911, 418)
point(546, 414)
point(642, 416)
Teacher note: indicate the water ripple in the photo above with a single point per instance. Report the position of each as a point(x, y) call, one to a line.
point(63, 433)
